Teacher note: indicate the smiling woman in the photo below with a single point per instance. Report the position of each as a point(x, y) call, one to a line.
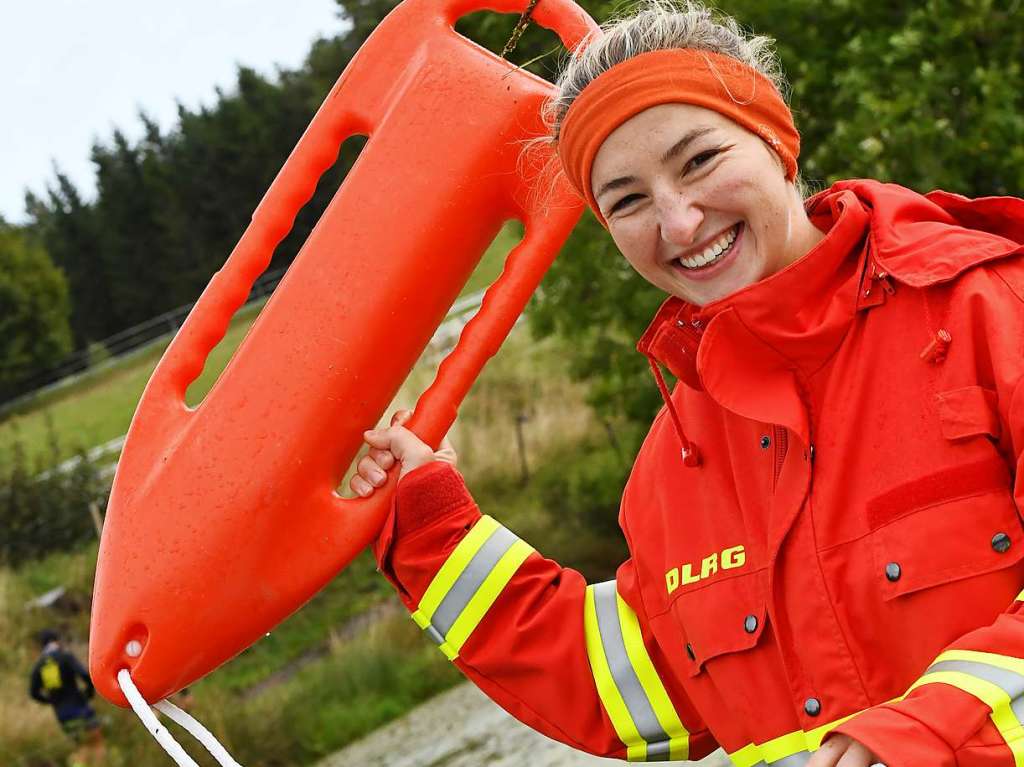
point(703, 216)
point(826, 566)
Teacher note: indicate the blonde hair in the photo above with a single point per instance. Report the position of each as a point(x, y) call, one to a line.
point(655, 25)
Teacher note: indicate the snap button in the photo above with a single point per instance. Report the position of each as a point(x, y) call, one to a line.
point(893, 571)
point(1001, 542)
point(766, 442)
point(812, 707)
point(690, 652)
point(750, 624)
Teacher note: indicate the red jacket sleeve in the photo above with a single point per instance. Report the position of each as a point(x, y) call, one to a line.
point(575, 662)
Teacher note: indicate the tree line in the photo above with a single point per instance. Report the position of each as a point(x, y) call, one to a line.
point(927, 95)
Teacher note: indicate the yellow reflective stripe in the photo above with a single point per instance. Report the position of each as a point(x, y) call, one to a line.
point(1007, 662)
point(747, 756)
point(679, 736)
point(484, 597)
point(992, 696)
point(789, 744)
point(636, 748)
point(1020, 597)
point(452, 569)
point(783, 746)
point(815, 736)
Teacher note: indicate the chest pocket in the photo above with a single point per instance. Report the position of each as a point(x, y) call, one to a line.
point(50, 674)
point(725, 616)
point(945, 527)
point(968, 412)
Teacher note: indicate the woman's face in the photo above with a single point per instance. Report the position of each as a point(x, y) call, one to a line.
point(698, 205)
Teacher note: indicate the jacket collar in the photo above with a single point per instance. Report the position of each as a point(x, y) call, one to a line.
point(801, 312)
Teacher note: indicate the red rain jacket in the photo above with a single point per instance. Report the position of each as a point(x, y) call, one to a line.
point(847, 552)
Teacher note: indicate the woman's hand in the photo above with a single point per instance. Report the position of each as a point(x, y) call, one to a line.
point(390, 445)
point(842, 751)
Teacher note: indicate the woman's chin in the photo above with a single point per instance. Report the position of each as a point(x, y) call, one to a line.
point(701, 292)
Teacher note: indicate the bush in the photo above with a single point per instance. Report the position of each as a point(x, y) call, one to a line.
point(44, 505)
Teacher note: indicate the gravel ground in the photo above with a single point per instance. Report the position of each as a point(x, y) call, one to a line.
point(463, 728)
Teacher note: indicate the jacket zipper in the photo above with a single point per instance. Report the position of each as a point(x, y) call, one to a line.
point(780, 438)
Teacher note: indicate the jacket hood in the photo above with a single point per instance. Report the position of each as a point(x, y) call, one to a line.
point(926, 239)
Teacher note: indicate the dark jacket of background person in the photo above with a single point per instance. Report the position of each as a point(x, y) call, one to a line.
point(55, 680)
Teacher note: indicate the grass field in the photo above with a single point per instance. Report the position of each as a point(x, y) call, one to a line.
point(99, 408)
point(326, 676)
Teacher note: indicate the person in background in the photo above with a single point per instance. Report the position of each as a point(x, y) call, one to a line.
point(58, 679)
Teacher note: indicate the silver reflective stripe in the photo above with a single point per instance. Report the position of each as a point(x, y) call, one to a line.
point(659, 752)
point(633, 695)
point(1009, 682)
point(794, 760)
point(470, 580)
point(434, 636)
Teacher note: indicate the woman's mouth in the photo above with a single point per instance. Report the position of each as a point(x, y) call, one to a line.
point(713, 254)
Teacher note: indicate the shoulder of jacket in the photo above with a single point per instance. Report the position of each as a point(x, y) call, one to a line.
point(1011, 272)
point(1000, 280)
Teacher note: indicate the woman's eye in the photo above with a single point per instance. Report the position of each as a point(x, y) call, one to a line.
point(700, 159)
point(624, 202)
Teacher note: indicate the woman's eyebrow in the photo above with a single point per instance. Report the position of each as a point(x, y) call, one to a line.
point(674, 151)
point(615, 183)
point(680, 146)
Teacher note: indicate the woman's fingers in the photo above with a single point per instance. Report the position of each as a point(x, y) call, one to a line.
point(392, 445)
point(384, 458)
point(360, 486)
point(370, 470)
point(407, 448)
point(856, 756)
point(841, 751)
point(830, 752)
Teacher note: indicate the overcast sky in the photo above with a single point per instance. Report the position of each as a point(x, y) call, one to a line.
point(73, 70)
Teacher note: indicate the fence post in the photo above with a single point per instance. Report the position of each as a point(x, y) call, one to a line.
point(520, 420)
point(97, 520)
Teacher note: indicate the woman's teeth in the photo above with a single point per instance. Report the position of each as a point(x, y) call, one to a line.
point(713, 252)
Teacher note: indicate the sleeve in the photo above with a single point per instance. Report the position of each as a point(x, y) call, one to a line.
point(577, 663)
point(79, 671)
point(35, 685)
point(977, 679)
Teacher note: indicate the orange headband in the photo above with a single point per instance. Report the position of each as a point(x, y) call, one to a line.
point(672, 76)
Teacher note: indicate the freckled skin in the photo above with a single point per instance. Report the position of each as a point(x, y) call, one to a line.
point(679, 207)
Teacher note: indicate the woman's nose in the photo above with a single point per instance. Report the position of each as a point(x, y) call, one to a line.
point(679, 219)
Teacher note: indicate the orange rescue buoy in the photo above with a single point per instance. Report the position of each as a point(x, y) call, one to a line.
point(224, 519)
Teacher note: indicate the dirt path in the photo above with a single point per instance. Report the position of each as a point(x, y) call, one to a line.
point(462, 728)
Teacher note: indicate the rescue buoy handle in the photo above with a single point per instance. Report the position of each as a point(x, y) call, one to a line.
point(273, 218)
point(229, 288)
point(563, 17)
point(293, 187)
point(483, 335)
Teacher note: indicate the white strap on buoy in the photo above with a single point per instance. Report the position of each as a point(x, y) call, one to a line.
point(163, 737)
point(157, 730)
point(197, 731)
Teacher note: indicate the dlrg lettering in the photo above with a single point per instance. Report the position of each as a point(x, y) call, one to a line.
point(728, 559)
